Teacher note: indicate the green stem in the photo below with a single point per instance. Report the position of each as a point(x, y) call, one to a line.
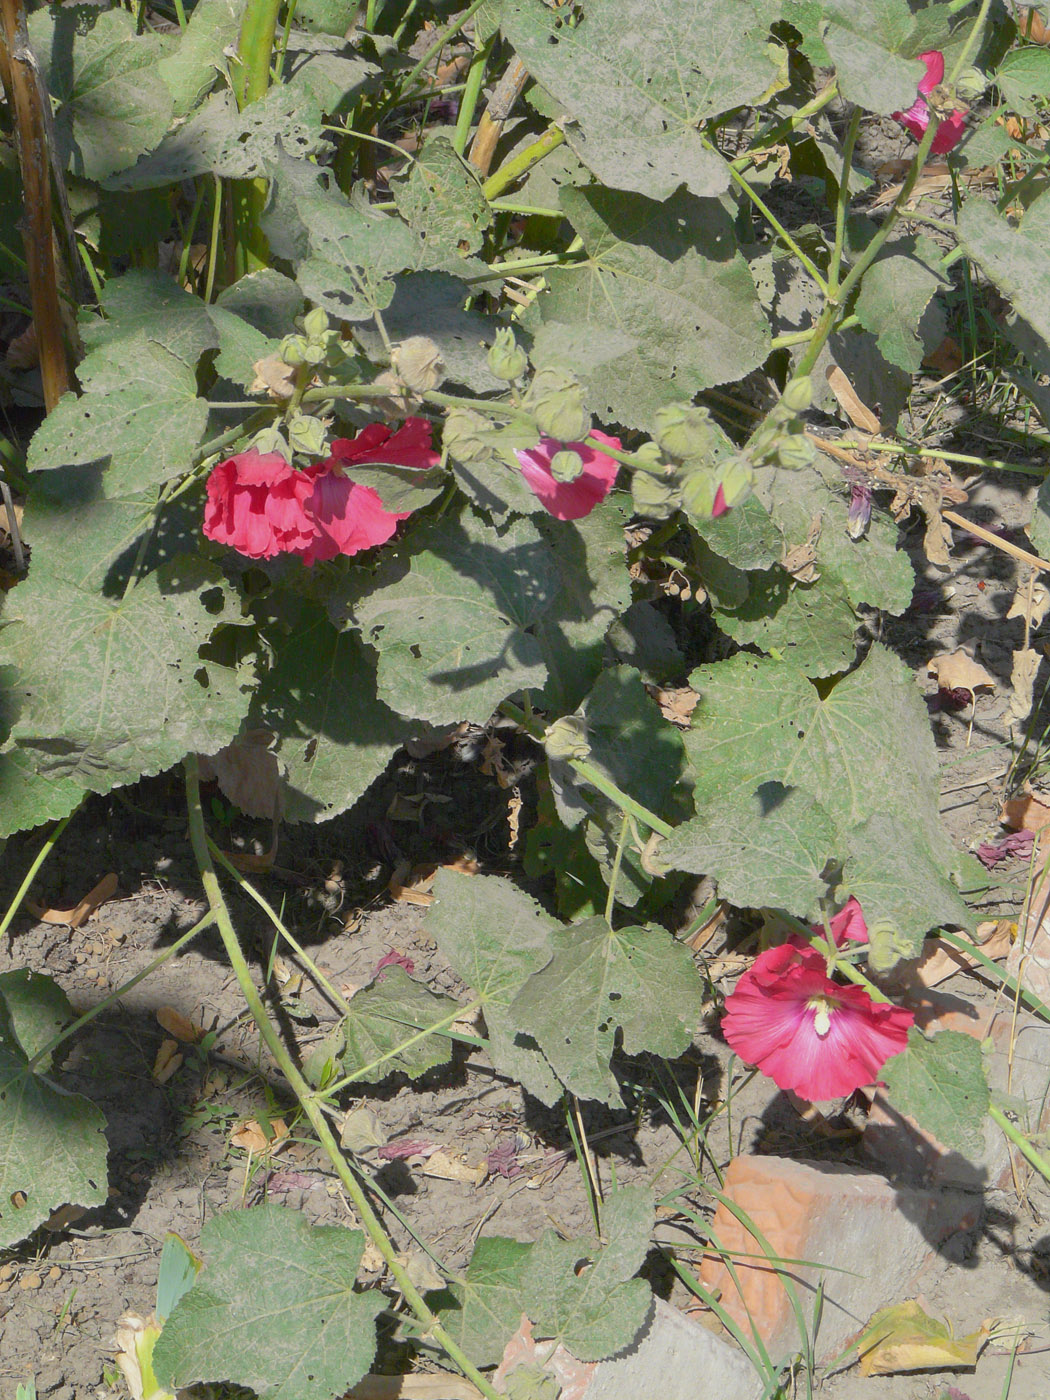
point(30, 875)
point(114, 997)
point(1011, 1131)
point(842, 203)
point(614, 874)
point(781, 342)
point(964, 458)
point(443, 1025)
point(783, 128)
point(781, 232)
point(517, 166)
point(972, 40)
point(471, 93)
point(449, 32)
point(305, 1094)
point(255, 52)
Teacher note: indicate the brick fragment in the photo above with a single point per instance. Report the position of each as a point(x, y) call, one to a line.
point(866, 1239)
point(1018, 1071)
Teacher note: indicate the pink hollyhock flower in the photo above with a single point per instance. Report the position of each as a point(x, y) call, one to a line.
point(570, 500)
point(348, 516)
point(917, 118)
point(257, 505)
point(807, 1033)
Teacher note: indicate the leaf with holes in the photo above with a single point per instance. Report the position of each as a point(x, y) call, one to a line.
point(37, 1009)
point(274, 1308)
point(451, 622)
point(441, 199)
point(603, 984)
point(495, 937)
point(812, 627)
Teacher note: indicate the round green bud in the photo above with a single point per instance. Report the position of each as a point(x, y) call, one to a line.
point(507, 360)
point(315, 323)
point(293, 350)
point(272, 439)
point(653, 498)
point(307, 434)
point(795, 452)
point(566, 465)
point(684, 431)
point(464, 435)
point(418, 364)
point(555, 399)
point(798, 394)
point(737, 479)
point(698, 493)
point(567, 738)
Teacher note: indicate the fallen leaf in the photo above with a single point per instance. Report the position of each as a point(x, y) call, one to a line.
point(801, 562)
point(360, 1130)
point(168, 1061)
point(1040, 602)
point(406, 1147)
point(1023, 672)
point(411, 884)
point(904, 1338)
point(959, 671)
point(943, 960)
point(420, 1269)
point(1031, 26)
point(290, 980)
point(515, 802)
point(445, 1167)
point(415, 1387)
point(23, 351)
point(394, 959)
point(850, 401)
point(178, 1025)
point(676, 704)
point(80, 913)
point(253, 1137)
point(992, 853)
point(247, 772)
point(1027, 812)
point(946, 358)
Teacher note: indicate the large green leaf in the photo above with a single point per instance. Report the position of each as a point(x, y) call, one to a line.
point(669, 276)
point(139, 417)
point(102, 78)
point(145, 304)
point(637, 982)
point(770, 848)
point(638, 77)
point(334, 737)
point(894, 296)
point(940, 1081)
point(114, 688)
point(866, 40)
point(274, 1308)
point(354, 252)
point(441, 199)
point(200, 56)
point(452, 621)
point(812, 627)
point(37, 1009)
point(54, 1148)
point(582, 1292)
point(495, 937)
point(483, 1310)
point(1013, 256)
point(29, 798)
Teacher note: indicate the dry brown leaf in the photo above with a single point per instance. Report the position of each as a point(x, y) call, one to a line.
point(1040, 602)
point(168, 1061)
point(178, 1025)
point(1031, 26)
point(360, 1130)
point(946, 358)
point(959, 671)
point(801, 562)
point(290, 980)
point(23, 352)
point(706, 932)
point(515, 803)
point(1022, 684)
point(411, 884)
point(850, 401)
point(248, 773)
point(942, 960)
point(905, 1338)
point(420, 1269)
point(1027, 812)
point(252, 1137)
point(415, 1387)
point(445, 1167)
point(80, 913)
point(677, 704)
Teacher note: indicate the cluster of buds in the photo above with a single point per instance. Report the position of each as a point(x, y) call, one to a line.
point(316, 345)
point(781, 440)
point(697, 477)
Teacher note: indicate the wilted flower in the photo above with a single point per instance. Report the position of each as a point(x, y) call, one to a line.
point(917, 118)
point(569, 500)
point(257, 505)
point(810, 1034)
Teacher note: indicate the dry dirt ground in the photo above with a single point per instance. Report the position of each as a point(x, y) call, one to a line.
point(173, 1163)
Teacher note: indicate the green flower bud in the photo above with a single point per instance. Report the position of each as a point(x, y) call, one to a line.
point(737, 479)
point(684, 431)
point(507, 360)
point(293, 350)
point(653, 498)
point(555, 399)
point(698, 493)
point(798, 395)
point(464, 435)
point(314, 354)
point(887, 945)
point(307, 434)
point(315, 323)
point(567, 738)
point(795, 452)
point(272, 439)
point(566, 465)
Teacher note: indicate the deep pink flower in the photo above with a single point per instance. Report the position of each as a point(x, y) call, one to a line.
point(257, 505)
point(806, 1032)
point(917, 118)
point(570, 500)
point(408, 447)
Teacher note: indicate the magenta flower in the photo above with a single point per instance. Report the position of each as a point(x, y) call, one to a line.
point(570, 500)
point(807, 1033)
point(917, 118)
point(257, 505)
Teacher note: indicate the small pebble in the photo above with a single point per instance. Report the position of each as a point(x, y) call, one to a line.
point(30, 1281)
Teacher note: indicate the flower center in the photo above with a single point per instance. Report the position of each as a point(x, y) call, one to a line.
point(822, 1008)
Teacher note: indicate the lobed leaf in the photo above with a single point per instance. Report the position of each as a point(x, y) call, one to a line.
point(940, 1082)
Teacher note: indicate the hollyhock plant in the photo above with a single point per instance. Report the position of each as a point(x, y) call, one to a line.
point(816, 1037)
point(257, 505)
point(570, 500)
point(917, 118)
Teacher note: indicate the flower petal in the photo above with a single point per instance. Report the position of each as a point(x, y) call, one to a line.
point(570, 500)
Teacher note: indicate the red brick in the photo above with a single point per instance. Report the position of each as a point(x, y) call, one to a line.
point(1018, 1071)
point(866, 1239)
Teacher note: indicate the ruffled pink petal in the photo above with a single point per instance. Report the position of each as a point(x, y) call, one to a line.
point(934, 61)
point(917, 118)
point(950, 132)
point(848, 924)
point(410, 446)
point(255, 505)
point(347, 517)
point(570, 500)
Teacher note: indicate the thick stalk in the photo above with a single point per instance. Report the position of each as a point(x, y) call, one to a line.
point(471, 93)
point(22, 83)
point(255, 52)
point(518, 165)
point(305, 1094)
